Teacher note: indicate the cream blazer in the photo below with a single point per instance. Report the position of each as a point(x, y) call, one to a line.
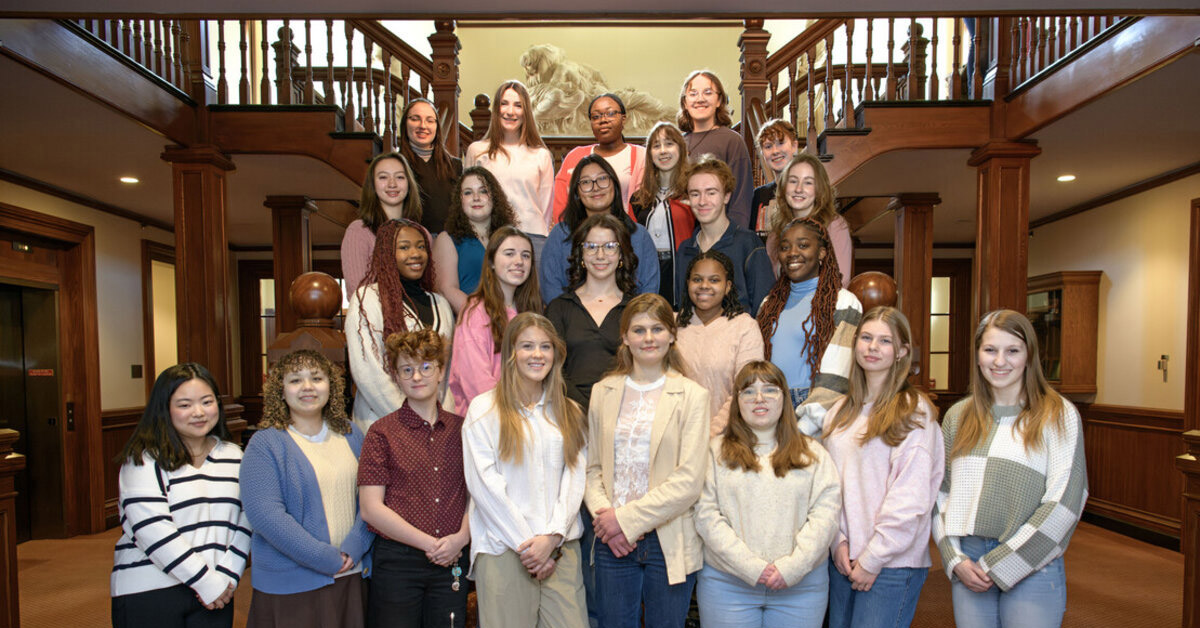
point(678, 445)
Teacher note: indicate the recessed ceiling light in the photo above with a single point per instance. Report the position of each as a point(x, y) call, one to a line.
point(1064, 178)
point(129, 179)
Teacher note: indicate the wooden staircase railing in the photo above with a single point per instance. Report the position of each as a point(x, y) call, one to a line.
point(161, 46)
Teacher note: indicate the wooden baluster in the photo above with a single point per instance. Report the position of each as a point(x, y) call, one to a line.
point(793, 97)
point(891, 67)
point(389, 101)
point(177, 38)
point(264, 88)
point(829, 81)
point(812, 96)
point(1072, 33)
point(1045, 42)
point(308, 67)
point(222, 85)
point(956, 62)
point(1058, 35)
point(135, 44)
point(869, 75)
point(124, 37)
point(913, 90)
point(348, 101)
point(369, 104)
point(283, 63)
point(244, 49)
point(933, 57)
point(848, 81)
point(154, 56)
point(163, 63)
point(773, 108)
point(977, 75)
point(329, 97)
point(1015, 69)
point(426, 88)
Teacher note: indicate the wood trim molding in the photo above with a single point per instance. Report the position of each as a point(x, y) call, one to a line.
point(117, 418)
point(79, 199)
point(1145, 518)
point(1132, 189)
point(151, 252)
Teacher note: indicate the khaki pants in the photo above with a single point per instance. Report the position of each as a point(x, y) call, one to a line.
point(509, 598)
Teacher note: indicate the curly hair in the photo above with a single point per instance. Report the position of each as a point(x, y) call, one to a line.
point(647, 193)
point(776, 129)
point(370, 210)
point(738, 440)
point(575, 213)
point(626, 267)
point(818, 327)
point(722, 118)
point(823, 209)
point(457, 224)
point(425, 345)
point(275, 411)
point(384, 272)
point(730, 305)
point(489, 295)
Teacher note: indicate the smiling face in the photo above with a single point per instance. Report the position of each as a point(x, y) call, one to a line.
point(875, 349)
point(411, 255)
point(778, 152)
point(306, 391)
point(701, 100)
point(800, 253)
point(648, 340)
point(760, 404)
point(600, 257)
point(476, 199)
point(418, 379)
point(1001, 358)
point(421, 125)
point(513, 261)
point(595, 189)
point(512, 111)
point(800, 189)
point(194, 412)
point(391, 185)
point(533, 353)
point(607, 120)
point(708, 197)
point(707, 287)
point(664, 152)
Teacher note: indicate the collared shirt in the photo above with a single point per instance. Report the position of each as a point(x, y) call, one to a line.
point(515, 501)
point(591, 348)
point(420, 467)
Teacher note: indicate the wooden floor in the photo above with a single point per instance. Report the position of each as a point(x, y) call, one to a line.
point(1112, 580)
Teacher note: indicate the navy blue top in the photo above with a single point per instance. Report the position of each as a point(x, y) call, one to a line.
point(752, 274)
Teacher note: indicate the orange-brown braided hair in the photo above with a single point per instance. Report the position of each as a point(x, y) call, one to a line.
point(818, 327)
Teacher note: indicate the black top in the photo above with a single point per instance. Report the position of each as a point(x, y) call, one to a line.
point(435, 192)
point(591, 350)
point(763, 195)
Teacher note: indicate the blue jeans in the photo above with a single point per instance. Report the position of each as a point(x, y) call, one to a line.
point(589, 570)
point(891, 602)
point(798, 395)
point(1038, 601)
point(624, 585)
point(726, 601)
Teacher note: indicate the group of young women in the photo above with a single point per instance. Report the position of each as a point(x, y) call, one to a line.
point(534, 414)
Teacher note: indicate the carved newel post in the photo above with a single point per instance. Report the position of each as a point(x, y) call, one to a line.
point(315, 298)
point(10, 464)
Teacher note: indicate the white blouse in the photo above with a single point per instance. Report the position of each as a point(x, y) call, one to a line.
point(631, 455)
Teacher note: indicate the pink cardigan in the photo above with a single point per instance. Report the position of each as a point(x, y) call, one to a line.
point(475, 366)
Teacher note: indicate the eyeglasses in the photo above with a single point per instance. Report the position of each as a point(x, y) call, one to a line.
point(708, 93)
point(605, 115)
point(594, 248)
point(602, 182)
point(770, 393)
point(426, 369)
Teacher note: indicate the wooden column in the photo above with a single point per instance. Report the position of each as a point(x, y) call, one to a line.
point(1189, 463)
point(10, 463)
point(913, 259)
point(445, 80)
point(753, 44)
point(292, 251)
point(202, 258)
point(1002, 225)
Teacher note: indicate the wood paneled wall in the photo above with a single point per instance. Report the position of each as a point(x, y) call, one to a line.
point(116, 426)
point(1130, 457)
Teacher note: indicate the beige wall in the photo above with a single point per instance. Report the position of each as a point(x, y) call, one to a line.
point(1141, 245)
point(166, 339)
point(118, 288)
point(649, 58)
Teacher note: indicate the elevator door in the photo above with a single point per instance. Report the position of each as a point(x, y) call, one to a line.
point(30, 402)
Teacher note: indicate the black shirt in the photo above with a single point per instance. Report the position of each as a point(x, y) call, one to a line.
point(591, 350)
point(435, 192)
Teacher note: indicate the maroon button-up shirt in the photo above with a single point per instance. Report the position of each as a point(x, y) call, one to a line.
point(420, 467)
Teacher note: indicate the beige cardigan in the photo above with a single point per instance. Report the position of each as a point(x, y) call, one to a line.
point(678, 445)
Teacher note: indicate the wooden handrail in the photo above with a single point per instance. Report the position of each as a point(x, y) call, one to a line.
point(398, 48)
point(801, 43)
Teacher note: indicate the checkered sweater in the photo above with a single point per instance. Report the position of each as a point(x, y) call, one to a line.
point(831, 380)
point(1029, 500)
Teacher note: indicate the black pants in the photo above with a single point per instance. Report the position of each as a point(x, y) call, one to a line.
point(408, 591)
point(174, 607)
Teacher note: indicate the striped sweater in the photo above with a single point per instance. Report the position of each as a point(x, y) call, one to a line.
point(832, 378)
point(182, 527)
point(1029, 500)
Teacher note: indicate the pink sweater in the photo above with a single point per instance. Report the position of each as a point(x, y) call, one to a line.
point(887, 492)
point(357, 244)
point(474, 366)
point(714, 353)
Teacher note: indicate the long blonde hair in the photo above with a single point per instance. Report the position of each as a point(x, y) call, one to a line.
point(568, 416)
point(656, 307)
point(1043, 404)
point(898, 408)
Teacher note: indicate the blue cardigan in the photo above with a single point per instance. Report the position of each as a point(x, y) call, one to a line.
point(552, 274)
point(281, 498)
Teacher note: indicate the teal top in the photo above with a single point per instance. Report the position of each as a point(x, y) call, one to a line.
point(470, 263)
